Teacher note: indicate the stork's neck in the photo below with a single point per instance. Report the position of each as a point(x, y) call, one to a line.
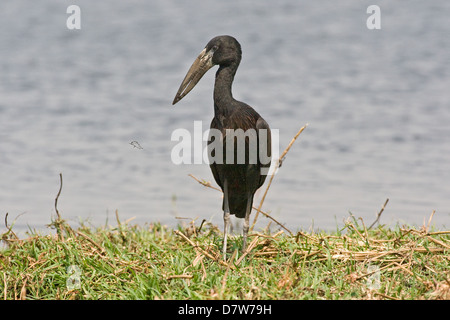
point(223, 98)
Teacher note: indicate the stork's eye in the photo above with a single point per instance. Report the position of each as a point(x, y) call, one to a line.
point(214, 48)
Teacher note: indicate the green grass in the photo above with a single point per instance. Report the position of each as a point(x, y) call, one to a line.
point(155, 262)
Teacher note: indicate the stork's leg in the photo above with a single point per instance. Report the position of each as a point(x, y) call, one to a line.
point(226, 220)
point(247, 222)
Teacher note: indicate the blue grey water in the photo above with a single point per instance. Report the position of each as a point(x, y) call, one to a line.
point(377, 103)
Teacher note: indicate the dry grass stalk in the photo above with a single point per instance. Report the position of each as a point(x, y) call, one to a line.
point(90, 240)
point(224, 279)
point(279, 161)
point(5, 287)
point(180, 276)
point(249, 249)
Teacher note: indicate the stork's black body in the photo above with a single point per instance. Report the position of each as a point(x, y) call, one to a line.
point(242, 179)
point(238, 180)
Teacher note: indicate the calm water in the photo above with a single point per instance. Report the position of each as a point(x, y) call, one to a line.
point(377, 103)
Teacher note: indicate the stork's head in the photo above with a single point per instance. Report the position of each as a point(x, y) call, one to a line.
point(221, 50)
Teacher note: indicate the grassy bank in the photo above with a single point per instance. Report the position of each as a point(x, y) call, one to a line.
point(154, 262)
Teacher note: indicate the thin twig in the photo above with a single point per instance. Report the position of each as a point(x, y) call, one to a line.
point(201, 225)
point(59, 222)
point(9, 228)
point(250, 247)
point(379, 214)
point(204, 183)
point(279, 160)
point(57, 196)
point(273, 219)
point(6, 220)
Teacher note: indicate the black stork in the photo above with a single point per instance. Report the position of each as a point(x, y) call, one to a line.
point(238, 180)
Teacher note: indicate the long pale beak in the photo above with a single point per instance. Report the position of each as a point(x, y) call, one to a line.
point(202, 64)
